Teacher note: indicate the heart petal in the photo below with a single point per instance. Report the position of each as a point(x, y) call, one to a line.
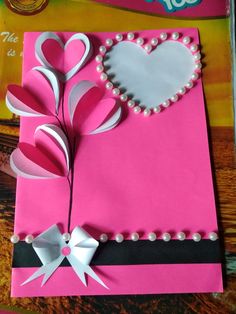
point(29, 162)
point(21, 102)
point(51, 139)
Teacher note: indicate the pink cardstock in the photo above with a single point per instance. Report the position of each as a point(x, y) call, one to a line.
point(146, 175)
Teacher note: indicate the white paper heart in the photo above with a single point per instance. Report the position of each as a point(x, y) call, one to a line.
point(150, 76)
point(43, 59)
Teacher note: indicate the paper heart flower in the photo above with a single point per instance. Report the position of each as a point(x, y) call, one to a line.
point(40, 95)
point(49, 158)
point(67, 59)
point(89, 112)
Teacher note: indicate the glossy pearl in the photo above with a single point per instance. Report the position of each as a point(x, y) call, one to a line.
point(29, 238)
point(154, 41)
point(194, 76)
point(157, 109)
point(103, 238)
point(119, 238)
point(131, 103)
point(163, 36)
point(174, 98)
point(196, 237)
point(175, 36)
point(186, 40)
point(213, 236)
point(123, 97)
point(15, 238)
point(109, 85)
point(182, 91)
point(99, 58)
point(116, 91)
point(66, 236)
point(181, 236)
point(194, 47)
point(137, 109)
point(147, 112)
point(197, 56)
point(189, 84)
point(103, 77)
point(166, 237)
point(148, 48)
point(130, 36)
point(134, 236)
point(109, 42)
point(99, 68)
point(119, 37)
point(102, 49)
point(152, 236)
point(166, 103)
point(140, 41)
point(198, 66)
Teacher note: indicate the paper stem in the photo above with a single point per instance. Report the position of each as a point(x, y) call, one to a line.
point(71, 184)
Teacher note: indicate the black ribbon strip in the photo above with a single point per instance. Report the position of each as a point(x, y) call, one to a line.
point(134, 253)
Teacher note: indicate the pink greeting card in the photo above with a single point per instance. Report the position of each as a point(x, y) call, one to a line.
point(114, 188)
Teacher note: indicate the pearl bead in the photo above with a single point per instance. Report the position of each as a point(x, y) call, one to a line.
point(109, 85)
point(99, 58)
point(15, 238)
point(197, 56)
point(147, 112)
point(119, 238)
point(103, 238)
point(109, 42)
point(140, 41)
point(103, 77)
point(134, 236)
point(131, 103)
point(194, 76)
point(116, 91)
point(99, 68)
point(102, 49)
point(66, 236)
point(119, 37)
point(123, 97)
point(181, 236)
point(198, 66)
point(182, 91)
point(137, 109)
point(213, 236)
point(194, 47)
point(130, 36)
point(157, 109)
point(166, 237)
point(154, 41)
point(163, 36)
point(196, 237)
point(152, 236)
point(148, 47)
point(186, 40)
point(175, 36)
point(174, 98)
point(189, 84)
point(29, 238)
point(166, 103)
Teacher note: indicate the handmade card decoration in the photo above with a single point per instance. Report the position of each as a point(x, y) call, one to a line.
point(114, 188)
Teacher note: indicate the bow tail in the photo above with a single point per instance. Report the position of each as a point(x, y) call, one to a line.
point(82, 269)
point(46, 270)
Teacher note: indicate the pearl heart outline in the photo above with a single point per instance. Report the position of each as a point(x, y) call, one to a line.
point(149, 47)
point(50, 35)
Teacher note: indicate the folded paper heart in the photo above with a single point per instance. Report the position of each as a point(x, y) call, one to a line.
point(49, 158)
point(67, 59)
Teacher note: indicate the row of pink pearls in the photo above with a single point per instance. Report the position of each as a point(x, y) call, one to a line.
point(148, 47)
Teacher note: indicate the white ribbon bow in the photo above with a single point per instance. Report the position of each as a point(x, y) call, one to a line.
point(52, 249)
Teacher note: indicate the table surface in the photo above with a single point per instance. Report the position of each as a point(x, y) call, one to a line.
point(224, 173)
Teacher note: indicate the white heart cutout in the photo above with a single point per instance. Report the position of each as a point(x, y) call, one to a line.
point(149, 79)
